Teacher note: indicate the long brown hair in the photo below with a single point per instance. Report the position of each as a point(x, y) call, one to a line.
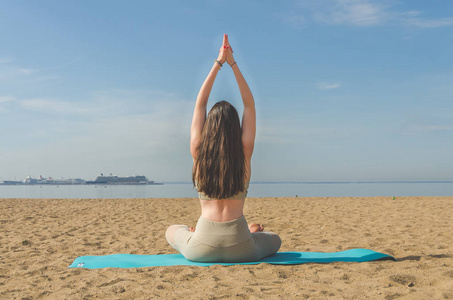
point(219, 168)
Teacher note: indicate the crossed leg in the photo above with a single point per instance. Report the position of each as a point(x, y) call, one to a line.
point(170, 233)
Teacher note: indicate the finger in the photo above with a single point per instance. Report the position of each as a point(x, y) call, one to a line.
point(228, 43)
point(225, 40)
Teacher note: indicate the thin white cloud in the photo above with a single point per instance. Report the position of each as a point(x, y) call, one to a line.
point(361, 13)
point(342, 12)
point(3, 102)
point(430, 23)
point(42, 79)
point(293, 20)
point(289, 129)
point(9, 72)
point(55, 106)
point(428, 128)
point(5, 60)
point(328, 86)
point(356, 13)
point(413, 13)
point(100, 104)
point(6, 98)
point(13, 73)
point(104, 106)
point(25, 71)
point(429, 123)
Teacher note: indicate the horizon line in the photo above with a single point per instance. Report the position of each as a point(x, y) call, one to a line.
point(331, 182)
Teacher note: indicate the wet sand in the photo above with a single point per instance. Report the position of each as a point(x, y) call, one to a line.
point(39, 239)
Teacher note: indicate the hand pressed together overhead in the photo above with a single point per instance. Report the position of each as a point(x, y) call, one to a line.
point(226, 52)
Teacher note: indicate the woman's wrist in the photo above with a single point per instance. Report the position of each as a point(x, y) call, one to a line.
point(217, 62)
point(235, 67)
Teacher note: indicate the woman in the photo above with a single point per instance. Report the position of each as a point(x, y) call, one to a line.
point(221, 152)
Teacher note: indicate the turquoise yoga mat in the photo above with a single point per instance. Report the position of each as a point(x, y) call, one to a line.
point(280, 258)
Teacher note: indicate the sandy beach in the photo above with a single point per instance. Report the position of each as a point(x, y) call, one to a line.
point(41, 237)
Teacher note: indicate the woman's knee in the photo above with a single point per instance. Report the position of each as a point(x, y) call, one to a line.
point(269, 241)
point(274, 240)
point(277, 242)
point(170, 233)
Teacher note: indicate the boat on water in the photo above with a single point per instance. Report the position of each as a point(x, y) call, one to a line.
point(43, 181)
point(132, 180)
point(53, 181)
point(129, 180)
point(11, 182)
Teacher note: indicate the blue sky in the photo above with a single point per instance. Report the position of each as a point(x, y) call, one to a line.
point(345, 90)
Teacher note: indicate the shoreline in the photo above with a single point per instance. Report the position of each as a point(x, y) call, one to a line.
point(41, 237)
point(262, 190)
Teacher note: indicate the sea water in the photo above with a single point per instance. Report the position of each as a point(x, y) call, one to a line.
point(275, 189)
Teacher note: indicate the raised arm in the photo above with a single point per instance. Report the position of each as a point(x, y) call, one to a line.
point(199, 114)
point(249, 115)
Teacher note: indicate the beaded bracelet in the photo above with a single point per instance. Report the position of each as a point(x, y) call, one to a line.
point(219, 63)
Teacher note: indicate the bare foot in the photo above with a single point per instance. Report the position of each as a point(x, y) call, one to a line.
point(192, 229)
point(254, 227)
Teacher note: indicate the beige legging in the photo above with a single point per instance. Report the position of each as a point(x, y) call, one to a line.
point(224, 242)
